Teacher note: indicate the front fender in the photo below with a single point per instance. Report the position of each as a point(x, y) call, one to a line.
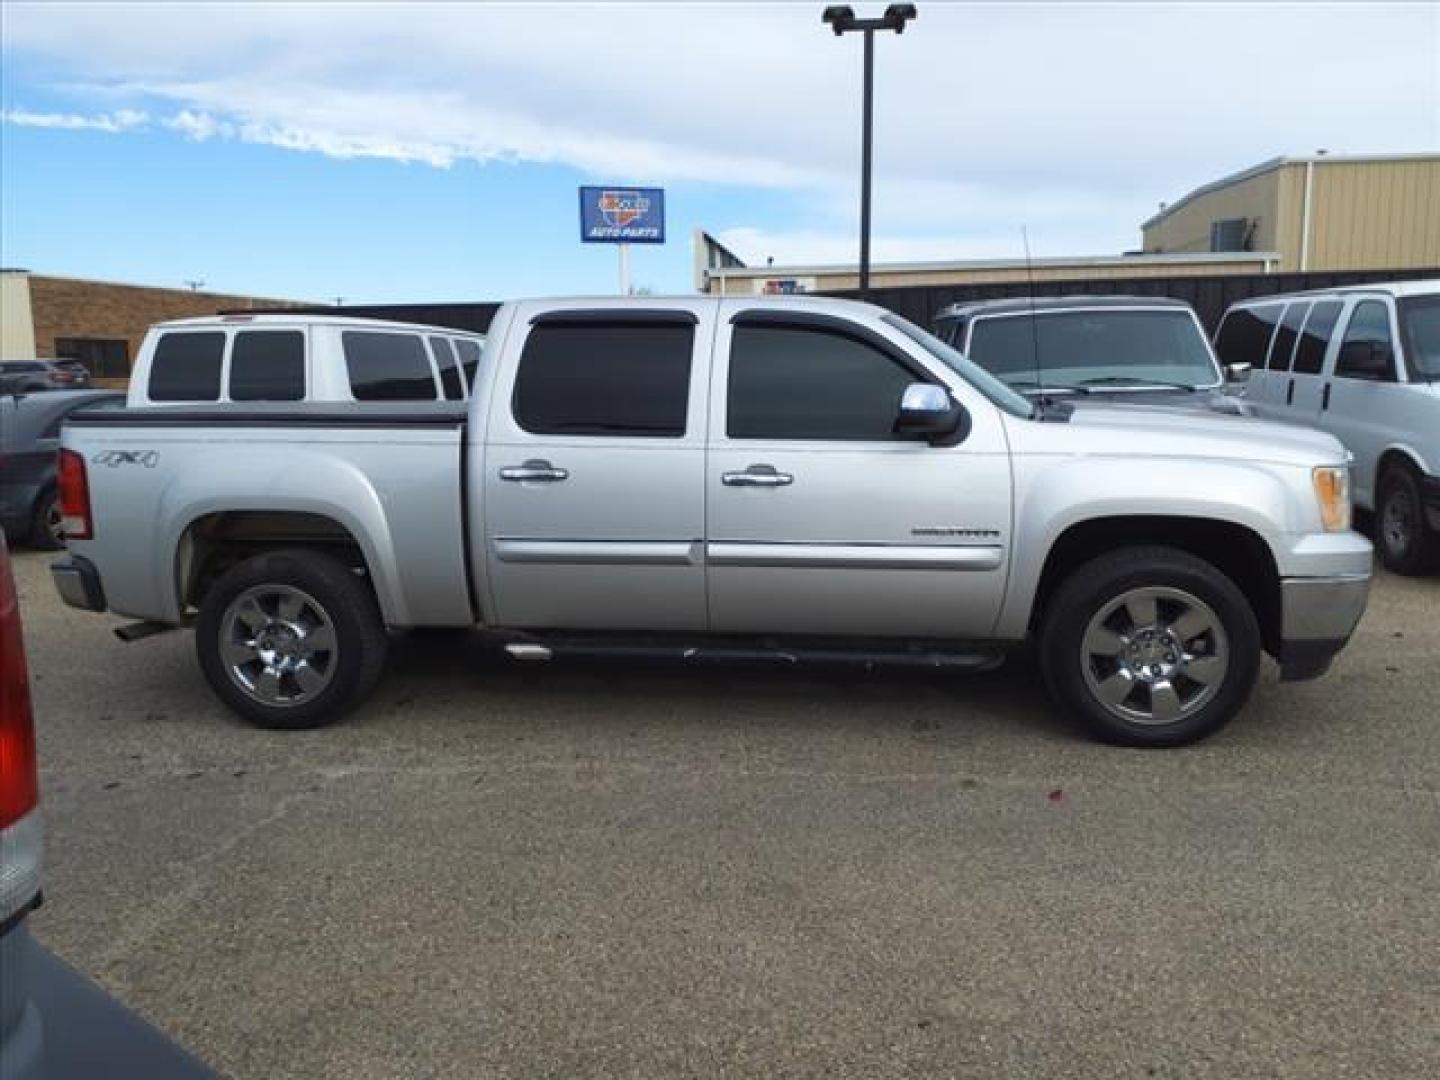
point(1053, 495)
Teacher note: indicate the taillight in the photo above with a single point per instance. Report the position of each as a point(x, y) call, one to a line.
point(20, 828)
point(19, 788)
point(74, 496)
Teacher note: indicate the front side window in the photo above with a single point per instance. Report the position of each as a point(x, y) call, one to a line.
point(1420, 324)
point(1100, 347)
point(449, 369)
point(469, 351)
point(267, 365)
point(387, 366)
point(186, 367)
point(1366, 352)
point(1282, 349)
point(605, 378)
point(802, 382)
point(1315, 337)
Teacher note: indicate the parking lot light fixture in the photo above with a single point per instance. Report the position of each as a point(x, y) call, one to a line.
point(841, 19)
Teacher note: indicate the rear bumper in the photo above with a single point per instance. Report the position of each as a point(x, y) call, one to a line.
point(78, 583)
point(1318, 615)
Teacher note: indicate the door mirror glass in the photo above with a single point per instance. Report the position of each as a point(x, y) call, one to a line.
point(928, 412)
point(1237, 373)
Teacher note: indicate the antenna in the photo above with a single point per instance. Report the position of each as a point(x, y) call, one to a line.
point(1034, 328)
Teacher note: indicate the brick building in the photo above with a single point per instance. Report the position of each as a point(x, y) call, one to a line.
point(99, 323)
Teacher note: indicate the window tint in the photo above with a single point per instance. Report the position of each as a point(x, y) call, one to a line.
point(1366, 351)
point(1315, 337)
point(1283, 347)
point(1245, 335)
point(605, 378)
point(1420, 327)
point(387, 366)
point(186, 367)
point(267, 365)
point(469, 351)
point(794, 382)
point(449, 369)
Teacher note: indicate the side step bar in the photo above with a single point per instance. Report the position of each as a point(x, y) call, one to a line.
point(975, 659)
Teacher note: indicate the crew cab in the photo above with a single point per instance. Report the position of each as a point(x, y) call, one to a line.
point(299, 357)
point(724, 477)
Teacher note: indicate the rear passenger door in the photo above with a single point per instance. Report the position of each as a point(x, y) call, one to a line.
point(593, 473)
point(1279, 391)
point(1244, 338)
point(1307, 371)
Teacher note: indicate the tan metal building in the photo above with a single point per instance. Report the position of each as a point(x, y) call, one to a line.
point(1322, 212)
point(721, 272)
point(99, 323)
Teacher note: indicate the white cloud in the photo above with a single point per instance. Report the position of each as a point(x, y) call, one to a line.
point(1076, 120)
point(116, 122)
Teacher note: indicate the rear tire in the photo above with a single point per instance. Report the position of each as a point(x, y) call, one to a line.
point(290, 639)
point(1150, 647)
point(1407, 545)
point(45, 533)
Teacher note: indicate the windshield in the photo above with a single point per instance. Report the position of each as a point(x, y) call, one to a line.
point(1106, 348)
point(1420, 325)
point(976, 376)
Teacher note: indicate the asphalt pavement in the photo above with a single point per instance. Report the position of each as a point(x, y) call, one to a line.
point(642, 869)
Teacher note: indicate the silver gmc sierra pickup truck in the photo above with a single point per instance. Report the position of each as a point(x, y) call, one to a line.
point(742, 477)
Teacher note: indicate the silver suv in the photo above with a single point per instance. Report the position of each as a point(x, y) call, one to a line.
point(1361, 363)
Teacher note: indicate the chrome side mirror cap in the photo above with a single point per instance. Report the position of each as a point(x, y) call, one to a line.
point(929, 412)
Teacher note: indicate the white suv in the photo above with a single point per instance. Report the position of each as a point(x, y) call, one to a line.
point(1362, 363)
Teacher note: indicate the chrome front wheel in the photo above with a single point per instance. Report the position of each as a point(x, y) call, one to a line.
point(278, 645)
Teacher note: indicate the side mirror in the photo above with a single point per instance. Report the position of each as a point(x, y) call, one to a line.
point(1237, 373)
point(929, 412)
point(1365, 360)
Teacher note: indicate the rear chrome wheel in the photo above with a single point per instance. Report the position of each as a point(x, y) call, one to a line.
point(278, 645)
point(1155, 655)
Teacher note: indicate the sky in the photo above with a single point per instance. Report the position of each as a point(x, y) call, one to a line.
point(431, 152)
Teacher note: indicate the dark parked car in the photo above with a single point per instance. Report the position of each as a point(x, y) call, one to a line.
point(1139, 350)
point(32, 376)
point(55, 1024)
point(29, 441)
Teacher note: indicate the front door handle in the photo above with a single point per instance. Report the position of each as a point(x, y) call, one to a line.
point(534, 469)
point(757, 476)
point(1325, 398)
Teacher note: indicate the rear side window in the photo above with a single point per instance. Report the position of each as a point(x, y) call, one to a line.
point(186, 367)
point(605, 378)
point(267, 365)
point(387, 366)
point(798, 382)
point(1315, 337)
point(1244, 336)
point(449, 369)
point(469, 359)
point(1283, 347)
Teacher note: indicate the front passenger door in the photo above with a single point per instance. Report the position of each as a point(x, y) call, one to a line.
point(819, 518)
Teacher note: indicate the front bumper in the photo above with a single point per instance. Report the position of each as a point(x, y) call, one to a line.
point(78, 583)
point(1318, 615)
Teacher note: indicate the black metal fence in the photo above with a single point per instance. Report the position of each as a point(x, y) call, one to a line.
point(1209, 296)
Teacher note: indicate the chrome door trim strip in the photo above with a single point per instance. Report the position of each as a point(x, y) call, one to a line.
point(857, 556)
point(598, 552)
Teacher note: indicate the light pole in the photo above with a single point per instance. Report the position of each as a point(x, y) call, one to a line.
point(841, 19)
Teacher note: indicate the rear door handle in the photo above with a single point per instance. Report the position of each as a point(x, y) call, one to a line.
point(1325, 398)
point(534, 469)
point(757, 476)
point(1290, 394)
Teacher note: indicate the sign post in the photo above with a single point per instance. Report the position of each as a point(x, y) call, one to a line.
point(622, 216)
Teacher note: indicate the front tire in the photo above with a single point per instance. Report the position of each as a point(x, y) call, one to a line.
point(1150, 647)
point(290, 639)
point(1406, 545)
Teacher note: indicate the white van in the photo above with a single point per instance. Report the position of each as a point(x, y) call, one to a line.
point(1363, 363)
point(281, 357)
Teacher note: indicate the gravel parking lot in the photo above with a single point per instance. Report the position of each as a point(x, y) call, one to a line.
point(644, 870)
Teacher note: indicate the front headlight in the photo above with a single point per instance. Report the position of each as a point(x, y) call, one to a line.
point(1332, 492)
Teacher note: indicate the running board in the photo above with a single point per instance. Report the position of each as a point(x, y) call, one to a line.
point(138, 631)
point(551, 648)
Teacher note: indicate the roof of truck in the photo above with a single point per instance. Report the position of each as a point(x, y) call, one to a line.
point(1026, 304)
point(277, 318)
